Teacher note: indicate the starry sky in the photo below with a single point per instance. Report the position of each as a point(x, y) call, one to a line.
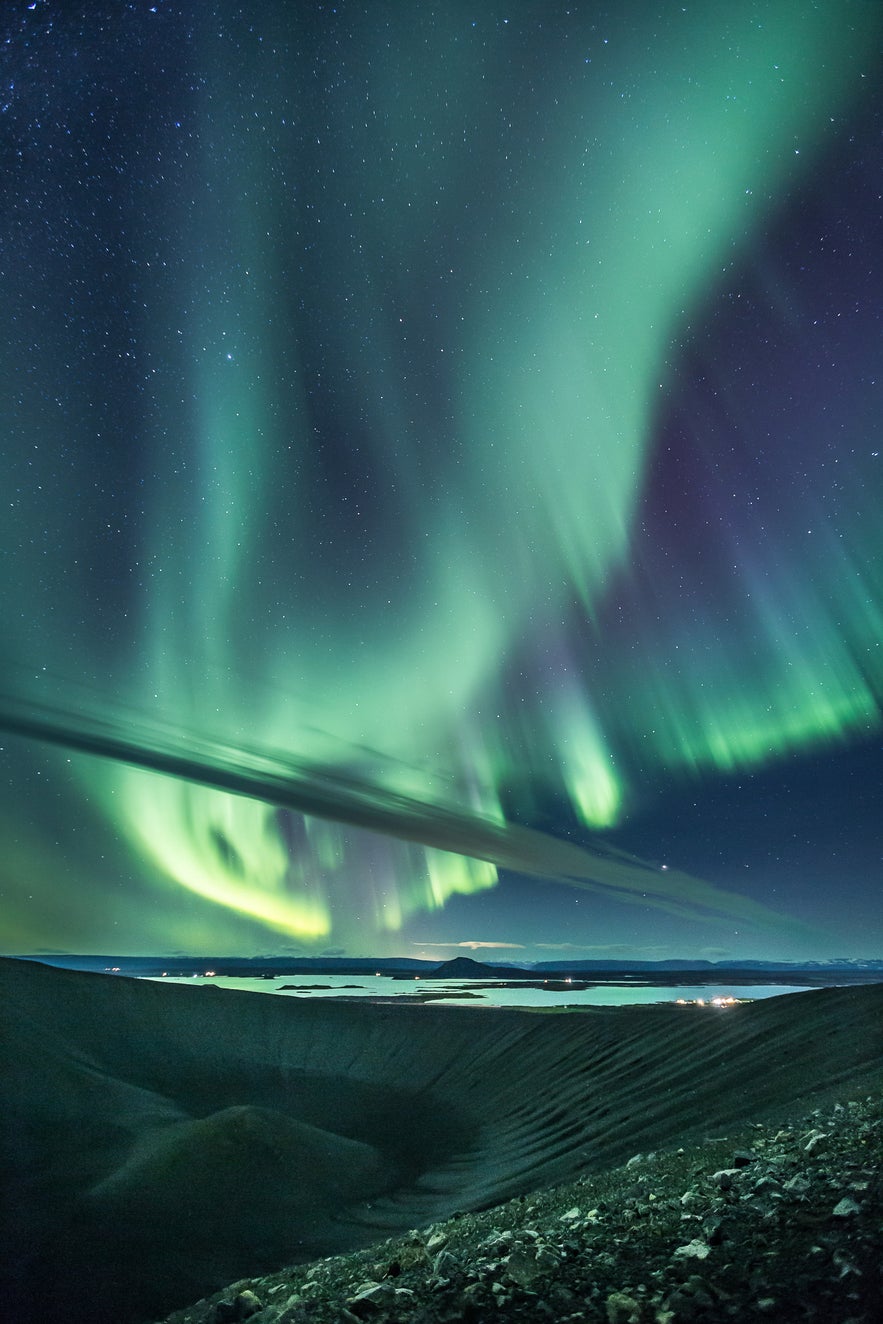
point(441, 478)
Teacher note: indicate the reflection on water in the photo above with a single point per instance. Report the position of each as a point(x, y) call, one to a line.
point(478, 993)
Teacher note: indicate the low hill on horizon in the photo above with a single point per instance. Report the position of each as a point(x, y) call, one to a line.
point(464, 967)
point(456, 967)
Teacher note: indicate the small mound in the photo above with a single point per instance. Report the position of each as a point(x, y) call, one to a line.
point(183, 1171)
point(211, 1197)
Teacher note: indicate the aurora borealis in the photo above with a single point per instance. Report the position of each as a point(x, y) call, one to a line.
point(441, 478)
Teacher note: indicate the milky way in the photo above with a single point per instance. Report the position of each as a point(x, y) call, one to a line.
point(437, 447)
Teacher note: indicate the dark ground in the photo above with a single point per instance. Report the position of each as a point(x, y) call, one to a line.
point(159, 1142)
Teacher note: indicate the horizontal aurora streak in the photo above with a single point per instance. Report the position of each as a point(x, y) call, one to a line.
point(254, 777)
point(337, 397)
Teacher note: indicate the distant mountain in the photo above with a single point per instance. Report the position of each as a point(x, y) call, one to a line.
point(713, 967)
point(860, 969)
point(463, 967)
point(236, 967)
point(626, 967)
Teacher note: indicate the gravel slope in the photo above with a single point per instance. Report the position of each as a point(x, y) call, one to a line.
point(779, 1221)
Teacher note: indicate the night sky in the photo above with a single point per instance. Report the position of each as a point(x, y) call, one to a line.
point(441, 478)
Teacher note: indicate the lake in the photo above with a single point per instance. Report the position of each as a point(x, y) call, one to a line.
point(481, 993)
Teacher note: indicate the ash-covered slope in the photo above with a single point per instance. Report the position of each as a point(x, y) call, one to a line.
point(160, 1141)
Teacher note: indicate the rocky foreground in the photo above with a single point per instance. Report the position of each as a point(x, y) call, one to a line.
point(780, 1221)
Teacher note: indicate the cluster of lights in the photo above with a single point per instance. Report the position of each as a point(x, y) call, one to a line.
point(707, 1002)
point(206, 974)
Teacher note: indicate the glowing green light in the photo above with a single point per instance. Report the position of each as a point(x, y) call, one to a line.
point(404, 392)
point(516, 498)
point(225, 848)
point(450, 875)
point(587, 769)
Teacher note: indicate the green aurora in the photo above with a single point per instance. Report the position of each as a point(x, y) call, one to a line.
point(343, 355)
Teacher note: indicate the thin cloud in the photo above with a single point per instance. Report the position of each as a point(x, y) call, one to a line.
point(474, 946)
